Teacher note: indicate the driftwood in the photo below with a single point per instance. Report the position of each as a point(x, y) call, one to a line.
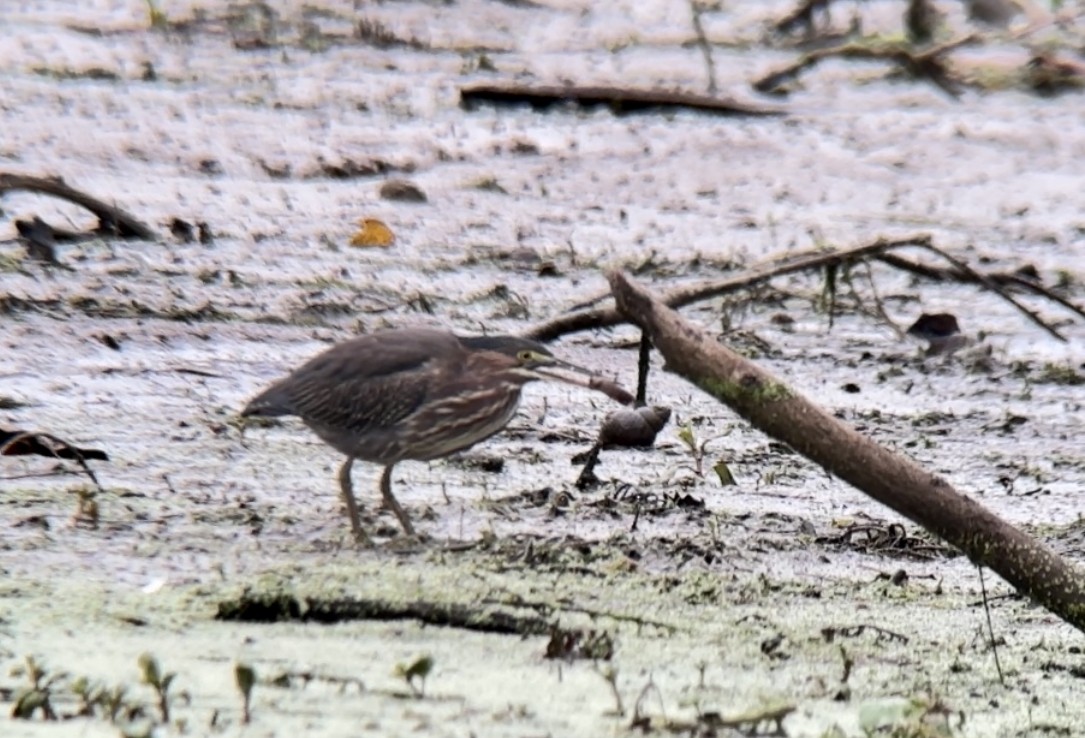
point(619, 100)
point(111, 220)
point(604, 317)
point(901, 484)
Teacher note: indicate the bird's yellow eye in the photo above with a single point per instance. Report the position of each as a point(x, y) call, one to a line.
point(525, 356)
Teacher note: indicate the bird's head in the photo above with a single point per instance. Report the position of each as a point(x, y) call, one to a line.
point(532, 360)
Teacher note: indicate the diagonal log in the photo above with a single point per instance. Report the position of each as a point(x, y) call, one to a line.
point(892, 479)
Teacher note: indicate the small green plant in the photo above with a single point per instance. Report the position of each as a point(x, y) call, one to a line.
point(37, 695)
point(420, 669)
point(86, 507)
point(723, 471)
point(152, 675)
point(697, 454)
point(696, 450)
point(112, 704)
point(246, 679)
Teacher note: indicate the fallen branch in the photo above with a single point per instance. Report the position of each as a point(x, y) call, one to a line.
point(620, 100)
point(895, 481)
point(111, 220)
point(604, 317)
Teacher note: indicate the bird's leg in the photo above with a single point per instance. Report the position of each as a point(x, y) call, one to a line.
point(391, 502)
point(352, 506)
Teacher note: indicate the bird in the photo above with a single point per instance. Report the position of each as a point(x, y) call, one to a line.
point(413, 394)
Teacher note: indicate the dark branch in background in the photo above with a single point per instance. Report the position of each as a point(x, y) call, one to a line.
point(619, 100)
point(112, 221)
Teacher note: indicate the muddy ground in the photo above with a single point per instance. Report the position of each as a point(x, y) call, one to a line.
point(685, 604)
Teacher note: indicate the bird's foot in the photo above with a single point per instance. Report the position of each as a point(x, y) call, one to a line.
point(409, 543)
point(362, 539)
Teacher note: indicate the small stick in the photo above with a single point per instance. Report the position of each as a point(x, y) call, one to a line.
point(702, 42)
point(939, 274)
point(643, 364)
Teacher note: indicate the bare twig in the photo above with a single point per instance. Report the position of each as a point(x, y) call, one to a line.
point(604, 317)
point(991, 628)
point(956, 275)
point(802, 16)
point(996, 288)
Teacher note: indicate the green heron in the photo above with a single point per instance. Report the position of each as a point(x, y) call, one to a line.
point(413, 393)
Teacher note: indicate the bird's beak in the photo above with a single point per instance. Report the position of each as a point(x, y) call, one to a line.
point(563, 371)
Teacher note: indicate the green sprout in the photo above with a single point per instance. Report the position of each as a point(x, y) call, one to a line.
point(160, 682)
point(246, 679)
point(419, 668)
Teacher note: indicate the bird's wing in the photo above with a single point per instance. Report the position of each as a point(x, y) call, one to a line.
point(371, 381)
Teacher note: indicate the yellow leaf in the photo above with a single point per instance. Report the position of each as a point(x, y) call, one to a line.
point(372, 233)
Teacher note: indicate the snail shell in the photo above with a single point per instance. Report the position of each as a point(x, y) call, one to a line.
point(629, 427)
